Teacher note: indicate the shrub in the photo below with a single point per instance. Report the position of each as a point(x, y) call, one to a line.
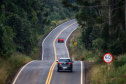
point(97, 43)
point(118, 76)
point(121, 61)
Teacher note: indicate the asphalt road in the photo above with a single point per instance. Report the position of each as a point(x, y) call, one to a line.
point(37, 72)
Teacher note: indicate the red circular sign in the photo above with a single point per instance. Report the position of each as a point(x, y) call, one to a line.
point(107, 58)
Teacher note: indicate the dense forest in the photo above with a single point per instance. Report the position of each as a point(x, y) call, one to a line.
point(22, 21)
point(103, 24)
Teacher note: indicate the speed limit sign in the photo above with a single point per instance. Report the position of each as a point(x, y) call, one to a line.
point(107, 58)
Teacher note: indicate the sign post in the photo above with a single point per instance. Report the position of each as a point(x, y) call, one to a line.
point(107, 59)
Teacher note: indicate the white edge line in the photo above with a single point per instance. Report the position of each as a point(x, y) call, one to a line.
point(21, 71)
point(49, 34)
point(66, 42)
point(69, 57)
point(81, 72)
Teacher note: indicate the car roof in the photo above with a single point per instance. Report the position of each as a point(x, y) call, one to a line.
point(60, 38)
point(64, 58)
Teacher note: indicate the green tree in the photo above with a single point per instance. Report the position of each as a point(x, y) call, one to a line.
point(6, 44)
point(108, 16)
point(24, 20)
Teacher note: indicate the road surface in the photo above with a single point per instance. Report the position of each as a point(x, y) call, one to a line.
point(45, 71)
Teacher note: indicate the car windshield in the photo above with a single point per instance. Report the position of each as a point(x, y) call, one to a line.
point(64, 60)
point(60, 38)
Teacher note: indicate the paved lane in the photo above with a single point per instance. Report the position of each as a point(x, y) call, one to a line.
point(68, 77)
point(37, 71)
point(34, 73)
point(48, 48)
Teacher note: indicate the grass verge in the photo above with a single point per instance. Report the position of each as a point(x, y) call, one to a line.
point(78, 51)
point(11, 65)
point(109, 73)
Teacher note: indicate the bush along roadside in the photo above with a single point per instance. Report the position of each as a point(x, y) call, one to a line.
point(79, 52)
point(112, 73)
point(9, 66)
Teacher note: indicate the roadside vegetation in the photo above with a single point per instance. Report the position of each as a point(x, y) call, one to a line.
point(79, 52)
point(8, 67)
point(113, 73)
point(102, 30)
point(23, 23)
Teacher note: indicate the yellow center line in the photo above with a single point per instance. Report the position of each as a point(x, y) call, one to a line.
point(51, 73)
point(48, 80)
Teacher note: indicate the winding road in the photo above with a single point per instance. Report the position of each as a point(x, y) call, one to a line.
point(45, 71)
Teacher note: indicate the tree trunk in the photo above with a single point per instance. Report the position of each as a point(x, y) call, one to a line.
point(109, 16)
point(111, 12)
point(125, 15)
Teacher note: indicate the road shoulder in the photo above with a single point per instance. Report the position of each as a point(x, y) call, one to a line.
point(88, 67)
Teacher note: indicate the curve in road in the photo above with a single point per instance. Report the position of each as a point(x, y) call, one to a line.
point(54, 63)
point(37, 72)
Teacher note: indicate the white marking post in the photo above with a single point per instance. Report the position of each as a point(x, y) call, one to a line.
point(81, 72)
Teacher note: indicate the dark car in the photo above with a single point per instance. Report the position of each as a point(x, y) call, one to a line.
point(65, 64)
point(60, 40)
